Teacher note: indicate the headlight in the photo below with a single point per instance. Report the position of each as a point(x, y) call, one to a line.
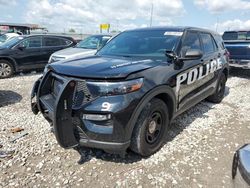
point(114, 88)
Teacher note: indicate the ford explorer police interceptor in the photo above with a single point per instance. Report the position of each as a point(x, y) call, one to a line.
point(127, 95)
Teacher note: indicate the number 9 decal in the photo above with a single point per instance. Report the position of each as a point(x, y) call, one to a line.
point(106, 106)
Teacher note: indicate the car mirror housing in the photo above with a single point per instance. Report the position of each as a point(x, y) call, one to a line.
point(192, 54)
point(21, 47)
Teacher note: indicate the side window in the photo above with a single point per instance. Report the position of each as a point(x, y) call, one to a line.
point(65, 42)
point(33, 42)
point(51, 41)
point(208, 43)
point(219, 42)
point(191, 41)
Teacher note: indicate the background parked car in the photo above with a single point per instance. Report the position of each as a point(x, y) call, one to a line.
point(238, 45)
point(7, 36)
point(29, 52)
point(86, 47)
point(241, 167)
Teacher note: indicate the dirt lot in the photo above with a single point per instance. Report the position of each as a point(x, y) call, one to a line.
point(198, 153)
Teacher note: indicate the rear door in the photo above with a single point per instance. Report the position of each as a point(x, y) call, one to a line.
point(28, 52)
point(211, 61)
point(52, 44)
point(198, 78)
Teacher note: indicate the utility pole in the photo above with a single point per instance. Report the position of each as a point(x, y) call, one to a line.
point(151, 15)
point(217, 24)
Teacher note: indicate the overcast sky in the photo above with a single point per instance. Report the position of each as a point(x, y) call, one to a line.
point(86, 15)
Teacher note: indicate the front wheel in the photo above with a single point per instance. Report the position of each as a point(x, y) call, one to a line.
point(6, 69)
point(151, 126)
point(220, 90)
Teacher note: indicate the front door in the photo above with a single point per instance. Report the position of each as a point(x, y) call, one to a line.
point(28, 53)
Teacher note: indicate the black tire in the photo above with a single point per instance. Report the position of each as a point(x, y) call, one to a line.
point(150, 128)
point(218, 96)
point(6, 69)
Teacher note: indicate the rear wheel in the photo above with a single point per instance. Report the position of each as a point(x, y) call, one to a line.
point(6, 69)
point(220, 90)
point(150, 128)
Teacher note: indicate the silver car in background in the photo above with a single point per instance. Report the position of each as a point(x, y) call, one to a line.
point(7, 36)
point(86, 47)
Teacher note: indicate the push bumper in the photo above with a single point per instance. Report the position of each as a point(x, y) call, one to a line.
point(240, 63)
point(71, 130)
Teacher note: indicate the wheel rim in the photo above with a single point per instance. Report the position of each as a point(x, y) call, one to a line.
point(154, 127)
point(5, 69)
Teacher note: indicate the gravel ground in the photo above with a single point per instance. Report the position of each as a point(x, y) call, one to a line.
point(198, 153)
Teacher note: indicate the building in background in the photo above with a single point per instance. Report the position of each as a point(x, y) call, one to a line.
point(24, 29)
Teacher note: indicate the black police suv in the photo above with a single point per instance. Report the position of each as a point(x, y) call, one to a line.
point(128, 93)
point(29, 52)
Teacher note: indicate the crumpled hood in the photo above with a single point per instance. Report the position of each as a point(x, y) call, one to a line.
point(73, 52)
point(102, 67)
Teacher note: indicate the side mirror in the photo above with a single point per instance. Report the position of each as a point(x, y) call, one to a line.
point(241, 167)
point(21, 47)
point(192, 54)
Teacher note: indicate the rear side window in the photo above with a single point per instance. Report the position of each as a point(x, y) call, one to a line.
point(33, 42)
point(208, 43)
point(219, 42)
point(191, 41)
point(66, 42)
point(54, 42)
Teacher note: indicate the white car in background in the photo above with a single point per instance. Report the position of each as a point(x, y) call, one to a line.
point(7, 36)
point(86, 47)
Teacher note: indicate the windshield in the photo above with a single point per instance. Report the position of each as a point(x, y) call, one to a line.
point(142, 43)
point(91, 42)
point(11, 42)
point(3, 38)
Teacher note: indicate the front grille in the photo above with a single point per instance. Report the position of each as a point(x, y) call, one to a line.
point(81, 95)
point(78, 132)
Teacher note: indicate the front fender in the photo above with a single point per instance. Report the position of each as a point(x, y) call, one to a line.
point(163, 89)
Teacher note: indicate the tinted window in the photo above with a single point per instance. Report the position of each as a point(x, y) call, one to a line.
point(33, 42)
point(219, 42)
point(49, 41)
point(65, 42)
point(208, 43)
point(54, 41)
point(142, 43)
point(191, 41)
point(234, 35)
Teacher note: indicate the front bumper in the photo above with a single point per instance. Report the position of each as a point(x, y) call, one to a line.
point(64, 109)
point(239, 63)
